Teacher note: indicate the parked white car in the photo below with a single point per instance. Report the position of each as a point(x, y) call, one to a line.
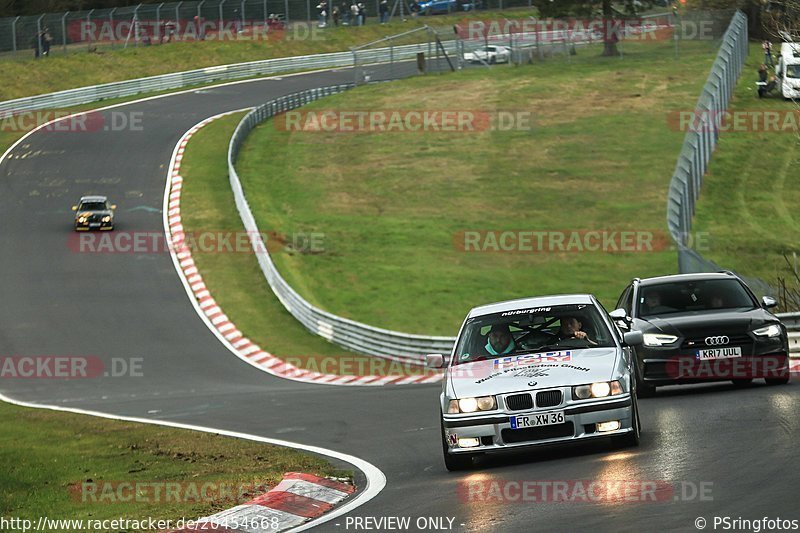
point(489, 54)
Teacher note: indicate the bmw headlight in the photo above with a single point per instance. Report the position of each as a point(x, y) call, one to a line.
point(601, 389)
point(107, 218)
point(773, 330)
point(472, 405)
point(82, 220)
point(658, 339)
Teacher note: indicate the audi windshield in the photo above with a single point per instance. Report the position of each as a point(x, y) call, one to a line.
point(696, 295)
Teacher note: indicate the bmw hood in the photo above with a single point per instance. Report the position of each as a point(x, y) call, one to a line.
point(531, 371)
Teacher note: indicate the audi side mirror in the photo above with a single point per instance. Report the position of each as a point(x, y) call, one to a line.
point(769, 302)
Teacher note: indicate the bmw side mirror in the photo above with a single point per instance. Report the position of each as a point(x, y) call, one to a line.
point(74, 207)
point(434, 360)
point(633, 338)
point(769, 302)
point(114, 206)
point(620, 314)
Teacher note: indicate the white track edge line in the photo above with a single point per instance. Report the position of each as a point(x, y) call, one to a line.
point(376, 480)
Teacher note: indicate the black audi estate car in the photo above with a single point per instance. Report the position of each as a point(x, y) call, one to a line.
point(702, 327)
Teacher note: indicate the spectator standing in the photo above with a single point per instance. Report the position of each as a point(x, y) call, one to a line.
point(354, 14)
point(415, 8)
point(322, 14)
point(170, 30)
point(36, 44)
point(767, 46)
point(362, 14)
point(383, 10)
point(47, 40)
point(335, 15)
point(345, 11)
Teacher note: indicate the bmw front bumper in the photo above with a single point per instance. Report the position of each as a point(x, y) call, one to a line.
point(494, 432)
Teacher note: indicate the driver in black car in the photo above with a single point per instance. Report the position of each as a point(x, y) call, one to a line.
point(571, 329)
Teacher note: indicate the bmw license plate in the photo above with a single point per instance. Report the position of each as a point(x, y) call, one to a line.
point(719, 353)
point(536, 420)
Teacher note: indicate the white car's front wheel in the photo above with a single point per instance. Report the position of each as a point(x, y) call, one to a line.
point(454, 462)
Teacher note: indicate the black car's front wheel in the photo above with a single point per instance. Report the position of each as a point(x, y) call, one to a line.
point(643, 389)
point(777, 381)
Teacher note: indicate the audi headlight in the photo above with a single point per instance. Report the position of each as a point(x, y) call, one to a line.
point(600, 389)
point(658, 339)
point(472, 405)
point(773, 330)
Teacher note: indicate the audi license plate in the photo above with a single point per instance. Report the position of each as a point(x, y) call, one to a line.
point(536, 420)
point(719, 353)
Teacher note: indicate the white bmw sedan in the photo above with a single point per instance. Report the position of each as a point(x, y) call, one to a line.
point(533, 372)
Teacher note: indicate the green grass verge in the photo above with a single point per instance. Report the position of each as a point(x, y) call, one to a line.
point(77, 69)
point(49, 455)
point(389, 204)
point(748, 205)
point(235, 279)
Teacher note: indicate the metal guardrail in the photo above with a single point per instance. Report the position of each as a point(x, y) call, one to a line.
point(177, 80)
point(792, 323)
point(700, 142)
point(349, 334)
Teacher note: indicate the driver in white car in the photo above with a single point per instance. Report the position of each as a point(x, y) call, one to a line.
point(571, 329)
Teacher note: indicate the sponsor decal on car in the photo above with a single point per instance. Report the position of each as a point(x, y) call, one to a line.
point(533, 358)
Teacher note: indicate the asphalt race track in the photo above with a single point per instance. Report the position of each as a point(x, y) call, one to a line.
point(737, 445)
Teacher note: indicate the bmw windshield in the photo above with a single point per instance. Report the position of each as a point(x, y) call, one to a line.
point(532, 330)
